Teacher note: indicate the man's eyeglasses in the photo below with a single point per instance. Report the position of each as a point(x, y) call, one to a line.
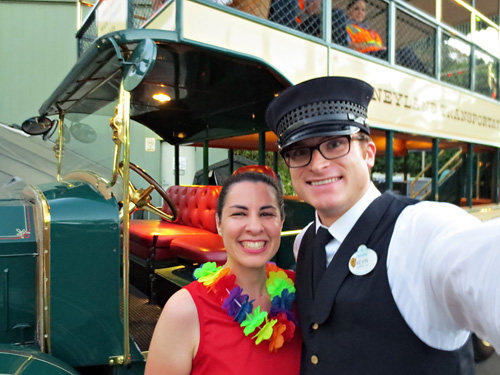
point(332, 148)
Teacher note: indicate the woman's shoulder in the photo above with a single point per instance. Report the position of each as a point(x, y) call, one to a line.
point(181, 307)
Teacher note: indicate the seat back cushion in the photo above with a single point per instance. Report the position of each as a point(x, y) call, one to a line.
point(196, 204)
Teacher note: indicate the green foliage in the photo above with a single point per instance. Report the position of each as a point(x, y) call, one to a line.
point(283, 170)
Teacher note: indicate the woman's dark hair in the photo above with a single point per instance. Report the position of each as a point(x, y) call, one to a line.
point(251, 177)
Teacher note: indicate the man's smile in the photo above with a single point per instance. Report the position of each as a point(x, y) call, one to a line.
point(323, 182)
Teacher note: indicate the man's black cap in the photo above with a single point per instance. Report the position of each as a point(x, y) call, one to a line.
point(320, 107)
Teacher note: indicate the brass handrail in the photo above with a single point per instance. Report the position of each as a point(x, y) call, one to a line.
point(122, 122)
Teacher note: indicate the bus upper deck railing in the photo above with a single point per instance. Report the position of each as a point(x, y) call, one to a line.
point(414, 40)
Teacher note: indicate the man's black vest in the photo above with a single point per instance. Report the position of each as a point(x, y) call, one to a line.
point(351, 324)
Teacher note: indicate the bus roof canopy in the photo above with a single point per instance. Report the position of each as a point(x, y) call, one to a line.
point(191, 93)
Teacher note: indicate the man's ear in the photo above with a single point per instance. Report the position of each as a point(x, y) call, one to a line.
point(370, 152)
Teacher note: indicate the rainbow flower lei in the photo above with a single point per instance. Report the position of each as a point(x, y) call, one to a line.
point(278, 326)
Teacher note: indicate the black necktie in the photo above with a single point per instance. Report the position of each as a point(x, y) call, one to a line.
point(319, 254)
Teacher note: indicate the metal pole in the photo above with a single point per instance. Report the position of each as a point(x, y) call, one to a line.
point(439, 38)
point(496, 175)
point(478, 175)
point(435, 169)
point(262, 148)
point(125, 103)
point(389, 159)
point(469, 174)
point(205, 162)
point(275, 162)
point(230, 161)
point(177, 165)
point(391, 43)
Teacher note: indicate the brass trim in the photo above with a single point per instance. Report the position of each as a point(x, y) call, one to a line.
point(59, 144)
point(116, 360)
point(288, 233)
point(124, 104)
point(42, 222)
point(92, 178)
point(117, 124)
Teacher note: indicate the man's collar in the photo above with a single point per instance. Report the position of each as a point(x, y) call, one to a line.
point(341, 228)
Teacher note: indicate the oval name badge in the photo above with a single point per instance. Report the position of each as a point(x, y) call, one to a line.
point(363, 261)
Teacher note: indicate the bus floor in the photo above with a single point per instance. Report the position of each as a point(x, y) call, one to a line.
point(143, 317)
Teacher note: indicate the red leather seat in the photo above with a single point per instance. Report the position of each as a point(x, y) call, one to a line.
point(200, 249)
point(193, 236)
point(197, 206)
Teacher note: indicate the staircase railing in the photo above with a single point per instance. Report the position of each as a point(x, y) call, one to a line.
point(452, 165)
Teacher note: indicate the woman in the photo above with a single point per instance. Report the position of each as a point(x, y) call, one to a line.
point(361, 38)
point(237, 318)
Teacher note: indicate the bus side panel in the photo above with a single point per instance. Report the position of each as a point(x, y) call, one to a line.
point(18, 255)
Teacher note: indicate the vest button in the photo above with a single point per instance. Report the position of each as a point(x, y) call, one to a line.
point(315, 326)
point(314, 359)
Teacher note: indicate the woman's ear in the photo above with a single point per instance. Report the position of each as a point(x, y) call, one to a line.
point(217, 223)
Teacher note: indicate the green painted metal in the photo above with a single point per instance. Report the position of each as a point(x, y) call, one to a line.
point(18, 255)
point(275, 162)
point(230, 160)
point(85, 259)
point(205, 162)
point(389, 159)
point(298, 215)
point(435, 170)
point(176, 161)
point(472, 59)
point(262, 148)
point(391, 26)
point(496, 175)
point(207, 110)
point(30, 361)
point(469, 179)
point(438, 54)
point(139, 64)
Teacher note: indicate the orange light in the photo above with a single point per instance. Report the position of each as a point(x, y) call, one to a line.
point(162, 98)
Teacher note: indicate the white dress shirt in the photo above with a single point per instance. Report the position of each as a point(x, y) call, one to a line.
point(443, 267)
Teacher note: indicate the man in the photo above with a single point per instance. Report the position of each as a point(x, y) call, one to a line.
point(403, 283)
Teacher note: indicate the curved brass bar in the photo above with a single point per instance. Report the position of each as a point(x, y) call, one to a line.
point(92, 178)
point(117, 126)
point(42, 231)
point(123, 109)
point(59, 145)
point(288, 233)
point(125, 101)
